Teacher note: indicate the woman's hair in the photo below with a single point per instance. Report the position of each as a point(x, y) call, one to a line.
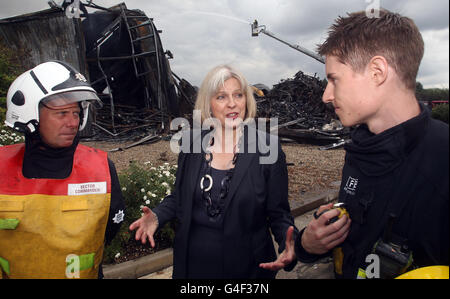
point(213, 81)
point(356, 39)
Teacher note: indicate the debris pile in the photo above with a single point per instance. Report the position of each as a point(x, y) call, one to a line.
point(133, 123)
point(297, 98)
point(130, 122)
point(302, 116)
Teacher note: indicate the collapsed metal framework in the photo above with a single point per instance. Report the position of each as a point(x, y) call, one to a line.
point(147, 60)
point(119, 51)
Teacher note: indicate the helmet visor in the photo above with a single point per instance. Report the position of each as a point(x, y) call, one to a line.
point(66, 98)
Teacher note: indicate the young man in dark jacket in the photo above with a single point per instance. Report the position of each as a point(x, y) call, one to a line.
point(395, 178)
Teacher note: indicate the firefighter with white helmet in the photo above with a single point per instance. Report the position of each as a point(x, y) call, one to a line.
point(59, 201)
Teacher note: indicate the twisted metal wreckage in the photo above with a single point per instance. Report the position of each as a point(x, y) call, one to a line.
point(121, 53)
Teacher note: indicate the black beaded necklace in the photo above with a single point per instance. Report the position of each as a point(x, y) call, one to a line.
point(214, 208)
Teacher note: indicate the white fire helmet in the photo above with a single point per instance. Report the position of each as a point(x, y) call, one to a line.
point(53, 81)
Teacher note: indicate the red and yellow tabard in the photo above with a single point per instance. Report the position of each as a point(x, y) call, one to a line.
point(53, 228)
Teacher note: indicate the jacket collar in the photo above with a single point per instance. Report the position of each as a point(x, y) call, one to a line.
point(45, 162)
point(379, 154)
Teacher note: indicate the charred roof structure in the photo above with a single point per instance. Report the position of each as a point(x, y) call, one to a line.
point(120, 52)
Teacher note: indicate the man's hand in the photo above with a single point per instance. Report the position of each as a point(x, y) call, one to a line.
point(320, 236)
point(286, 257)
point(146, 226)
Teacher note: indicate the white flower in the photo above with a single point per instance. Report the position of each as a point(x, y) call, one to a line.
point(165, 184)
point(117, 255)
point(143, 190)
point(147, 202)
point(124, 188)
point(145, 197)
point(168, 192)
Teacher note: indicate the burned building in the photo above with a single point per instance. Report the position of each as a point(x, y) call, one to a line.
point(120, 52)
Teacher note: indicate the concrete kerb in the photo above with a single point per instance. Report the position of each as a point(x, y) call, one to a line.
point(162, 259)
point(141, 266)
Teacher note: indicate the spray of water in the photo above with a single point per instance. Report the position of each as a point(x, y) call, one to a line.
point(218, 15)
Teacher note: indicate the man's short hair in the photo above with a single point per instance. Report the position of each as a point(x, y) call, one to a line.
point(357, 38)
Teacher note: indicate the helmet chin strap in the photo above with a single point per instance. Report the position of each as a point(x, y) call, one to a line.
point(29, 127)
point(32, 126)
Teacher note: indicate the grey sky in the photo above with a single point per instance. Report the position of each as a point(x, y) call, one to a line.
point(204, 33)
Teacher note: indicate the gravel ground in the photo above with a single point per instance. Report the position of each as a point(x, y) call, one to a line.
point(310, 170)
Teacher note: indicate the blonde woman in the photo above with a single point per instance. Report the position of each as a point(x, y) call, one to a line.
point(225, 199)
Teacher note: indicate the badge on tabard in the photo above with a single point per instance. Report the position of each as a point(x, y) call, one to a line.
point(119, 216)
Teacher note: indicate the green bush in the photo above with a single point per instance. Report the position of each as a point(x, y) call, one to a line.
point(11, 65)
point(2, 110)
point(142, 186)
point(440, 112)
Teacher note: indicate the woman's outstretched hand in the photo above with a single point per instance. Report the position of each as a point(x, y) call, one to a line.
point(146, 226)
point(286, 257)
